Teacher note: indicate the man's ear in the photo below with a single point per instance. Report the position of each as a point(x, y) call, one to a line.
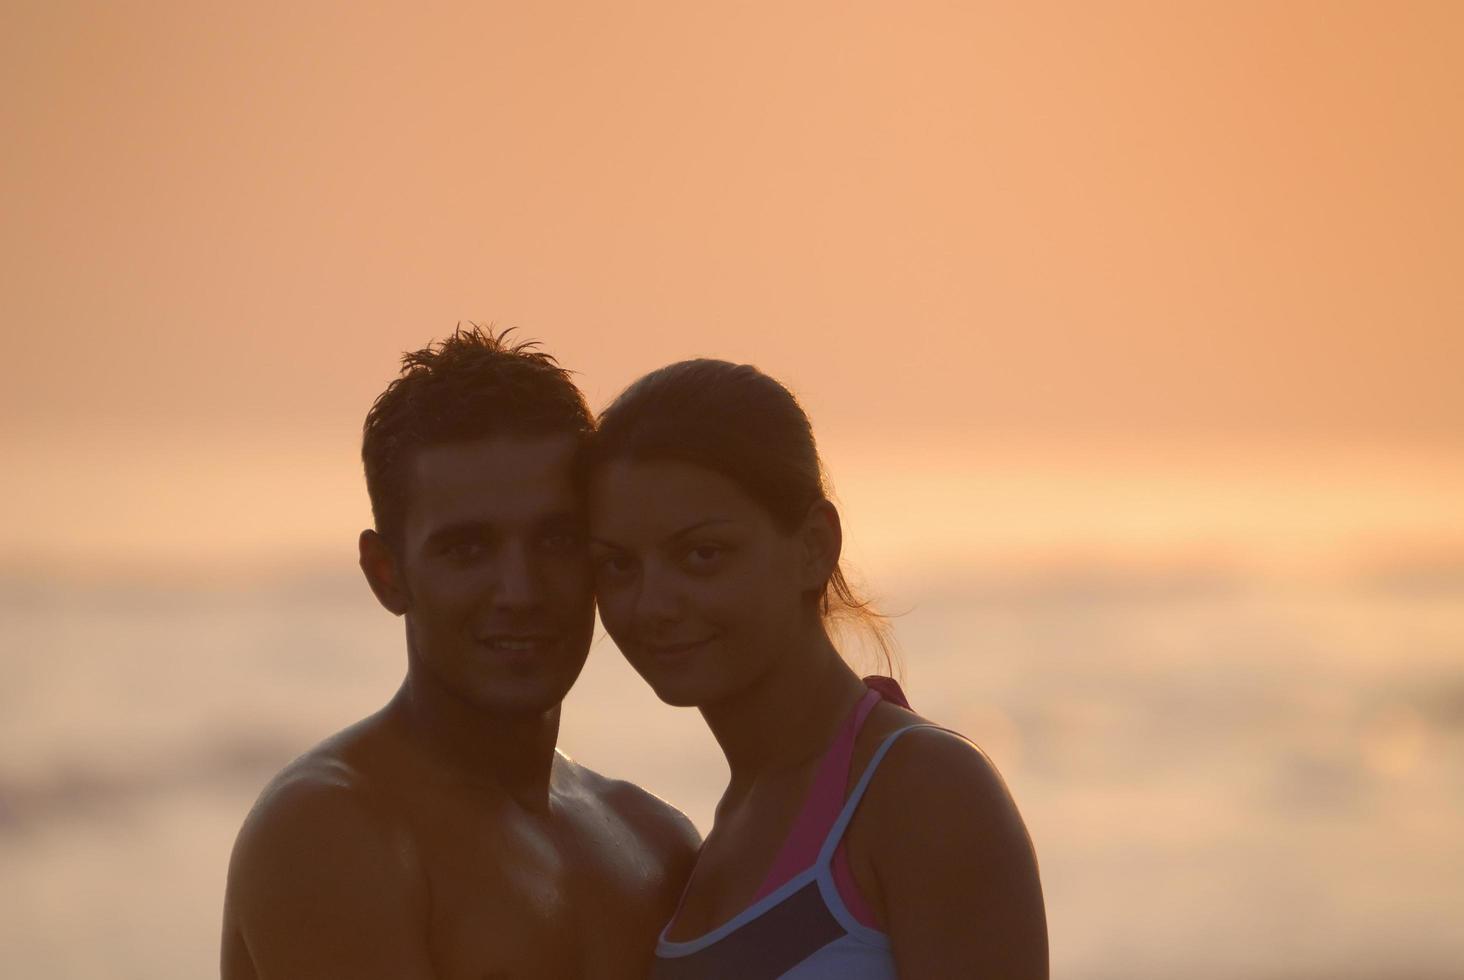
point(383, 574)
point(822, 537)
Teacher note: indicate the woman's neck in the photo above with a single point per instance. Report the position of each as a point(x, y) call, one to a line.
point(789, 714)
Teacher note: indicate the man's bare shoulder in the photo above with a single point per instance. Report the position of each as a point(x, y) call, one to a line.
point(333, 793)
point(661, 827)
point(322, 854)
point(335, 776)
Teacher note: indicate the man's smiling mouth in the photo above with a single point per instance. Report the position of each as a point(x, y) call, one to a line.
point(519, 642)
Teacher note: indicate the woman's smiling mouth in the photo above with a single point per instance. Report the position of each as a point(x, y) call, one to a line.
point(663, 652)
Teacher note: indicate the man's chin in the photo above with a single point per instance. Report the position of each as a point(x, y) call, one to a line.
point(513, 686)
point(518, 696)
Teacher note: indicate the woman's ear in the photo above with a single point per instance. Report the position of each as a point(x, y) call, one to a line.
point(382, 573)
point(822, 537)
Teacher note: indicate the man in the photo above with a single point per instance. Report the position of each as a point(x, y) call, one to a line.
point(444, 838)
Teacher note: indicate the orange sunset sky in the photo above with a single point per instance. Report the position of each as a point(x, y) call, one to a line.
point(1134, 272)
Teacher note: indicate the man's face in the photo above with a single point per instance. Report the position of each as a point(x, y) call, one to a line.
point(493, 559)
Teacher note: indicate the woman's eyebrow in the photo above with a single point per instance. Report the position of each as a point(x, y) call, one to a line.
point(674, 535)
point(698, 526)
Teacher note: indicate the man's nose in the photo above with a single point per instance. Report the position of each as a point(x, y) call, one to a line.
point(518, 584)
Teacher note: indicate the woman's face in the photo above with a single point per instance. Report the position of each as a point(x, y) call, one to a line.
point(696, 585)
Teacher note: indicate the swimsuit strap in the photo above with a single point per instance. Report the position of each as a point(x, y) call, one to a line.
point(888, 688)
point(821, 805)
point(836, 832)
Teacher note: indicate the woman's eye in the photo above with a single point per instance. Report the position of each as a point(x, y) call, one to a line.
point(704, 555)
point(614, 567)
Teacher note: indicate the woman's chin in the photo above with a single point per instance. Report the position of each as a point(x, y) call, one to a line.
point(676, 701)
point(680, 676)
point(679, 692)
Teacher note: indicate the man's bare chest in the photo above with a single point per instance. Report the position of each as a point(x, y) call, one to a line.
point(517, 899)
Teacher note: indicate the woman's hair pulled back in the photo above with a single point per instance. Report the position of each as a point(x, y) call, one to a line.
point(744, 425)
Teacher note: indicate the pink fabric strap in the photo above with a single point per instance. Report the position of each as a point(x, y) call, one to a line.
point(826, 796)
point(888, 688)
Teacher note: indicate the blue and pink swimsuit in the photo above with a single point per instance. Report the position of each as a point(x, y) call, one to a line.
point(808, 920)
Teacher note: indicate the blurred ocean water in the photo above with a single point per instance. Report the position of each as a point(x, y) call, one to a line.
point(1224, 777)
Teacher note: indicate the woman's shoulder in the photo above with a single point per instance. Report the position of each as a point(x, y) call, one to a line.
point(935, 788)
point(956, 874)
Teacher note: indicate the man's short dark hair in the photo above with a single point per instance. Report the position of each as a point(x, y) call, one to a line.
point(473, 385)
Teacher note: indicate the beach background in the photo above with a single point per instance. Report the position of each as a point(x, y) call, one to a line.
point(1131, 333)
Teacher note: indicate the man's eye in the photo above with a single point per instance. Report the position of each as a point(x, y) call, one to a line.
point(466, 550)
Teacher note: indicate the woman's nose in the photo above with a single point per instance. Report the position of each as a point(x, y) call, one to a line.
point(658, 599)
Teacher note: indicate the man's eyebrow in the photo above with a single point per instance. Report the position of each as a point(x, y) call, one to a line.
point(462, 529)
point(674, 534)
point(478, 529)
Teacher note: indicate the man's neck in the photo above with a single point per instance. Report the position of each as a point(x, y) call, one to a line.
point(511, 753)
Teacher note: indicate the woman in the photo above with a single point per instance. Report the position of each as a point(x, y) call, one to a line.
point(855, 839)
